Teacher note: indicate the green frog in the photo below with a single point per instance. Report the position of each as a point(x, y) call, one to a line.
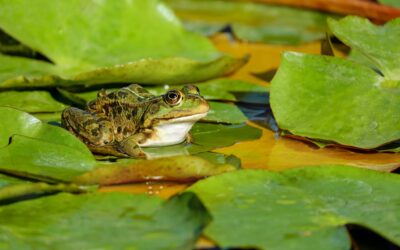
point(120, 123)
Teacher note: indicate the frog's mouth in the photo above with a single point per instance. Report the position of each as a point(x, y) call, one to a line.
point(190, 118)
point(171, 131)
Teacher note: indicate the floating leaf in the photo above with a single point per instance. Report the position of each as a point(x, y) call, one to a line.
point(333, 94)
point(377, 43)
point(106, 52)
point(31, 101)
point(179, 168)
point(21, 123)
point(68, 221)
point(6, 180)
point(303, 208)
point(225, 113)
point(39, 149)
point(12, 193)
point(253, 22)
point(40, 159)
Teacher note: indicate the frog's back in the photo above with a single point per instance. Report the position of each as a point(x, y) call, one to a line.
point(124, 108)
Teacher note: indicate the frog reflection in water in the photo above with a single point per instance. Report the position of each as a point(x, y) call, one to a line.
point(121, 122)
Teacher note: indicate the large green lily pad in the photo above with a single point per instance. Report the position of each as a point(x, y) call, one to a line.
point(303, 208)
point(335, 99)
point(31, 101)
point(32, 148)
point(88, 48)
point(255, 22)
point(103, 221)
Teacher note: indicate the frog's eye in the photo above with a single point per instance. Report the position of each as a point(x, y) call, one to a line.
point(173, 97)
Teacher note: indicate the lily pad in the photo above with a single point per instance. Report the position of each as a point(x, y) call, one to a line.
point(68, 221)
point(6, 180)
point(29, 190)
point(106, 52)
point(255, 22)
point(179, 169)
point(31, 101)
point(35, 158)
point(221, 112)
point(303, 208)
point(16, 122)
point(377, 43)
point(333, 94)
point(33, 148)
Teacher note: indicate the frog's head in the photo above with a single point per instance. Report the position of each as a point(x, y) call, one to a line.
point(177, 106)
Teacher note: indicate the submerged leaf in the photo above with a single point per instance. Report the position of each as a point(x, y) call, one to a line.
point(255, 22)
point(106, 52)
point(303, 208)
point(179, 168)
point(68, 221)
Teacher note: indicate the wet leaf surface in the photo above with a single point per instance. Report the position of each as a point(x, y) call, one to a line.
point(300, 208)
point(118, 55)
point(251, 21)
point(179, 169)
point(68, 221)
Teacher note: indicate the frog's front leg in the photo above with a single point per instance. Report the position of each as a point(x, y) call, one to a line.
point(94, 130)
point(130, 145)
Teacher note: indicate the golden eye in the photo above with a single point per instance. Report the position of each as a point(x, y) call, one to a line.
point(173, 97)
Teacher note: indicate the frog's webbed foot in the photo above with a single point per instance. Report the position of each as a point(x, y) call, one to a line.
point(130, 146)
point(90, 128)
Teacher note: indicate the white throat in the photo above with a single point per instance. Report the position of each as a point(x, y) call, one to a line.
point(172, 132)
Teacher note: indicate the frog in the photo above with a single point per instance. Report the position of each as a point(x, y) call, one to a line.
point(123, 122)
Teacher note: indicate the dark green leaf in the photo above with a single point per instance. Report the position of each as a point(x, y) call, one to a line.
point(103, 221)
point(303, 208)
